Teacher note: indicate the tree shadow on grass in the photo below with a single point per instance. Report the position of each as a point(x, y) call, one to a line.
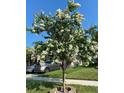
point(44, 75)
point(40, 85)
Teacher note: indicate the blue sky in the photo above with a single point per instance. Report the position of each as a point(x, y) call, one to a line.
point(89, 8)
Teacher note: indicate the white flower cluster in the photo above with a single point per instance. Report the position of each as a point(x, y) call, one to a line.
point(59, 50)
point(61, 14)
point(50, 45)
point(56, 60)
point(70, 46)
point(44, 52)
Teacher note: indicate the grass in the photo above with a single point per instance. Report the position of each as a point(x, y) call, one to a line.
point(43, 87)
point(81, 73)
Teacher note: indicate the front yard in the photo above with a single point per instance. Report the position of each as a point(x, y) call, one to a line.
point(43, 87)
point(82, 73)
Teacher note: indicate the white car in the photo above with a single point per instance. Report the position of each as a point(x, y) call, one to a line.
point(31, 68)
point(43, 67)
point(47, 66)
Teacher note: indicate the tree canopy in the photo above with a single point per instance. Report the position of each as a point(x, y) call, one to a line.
point(66, 39)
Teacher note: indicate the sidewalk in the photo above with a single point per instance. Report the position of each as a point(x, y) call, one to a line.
point(67, 81)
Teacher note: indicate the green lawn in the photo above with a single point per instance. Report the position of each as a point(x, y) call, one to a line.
point(43, 87)
point(75, 73)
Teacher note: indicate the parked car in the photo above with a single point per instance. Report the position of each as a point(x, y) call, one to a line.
point(31, 68)
point(44, 67)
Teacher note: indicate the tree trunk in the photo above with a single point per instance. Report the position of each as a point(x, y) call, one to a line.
point(63, 72)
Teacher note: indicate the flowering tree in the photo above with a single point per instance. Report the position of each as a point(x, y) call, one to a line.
point(89, 51)
point(66, 40)
point(30, 56)
point(92, 40)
